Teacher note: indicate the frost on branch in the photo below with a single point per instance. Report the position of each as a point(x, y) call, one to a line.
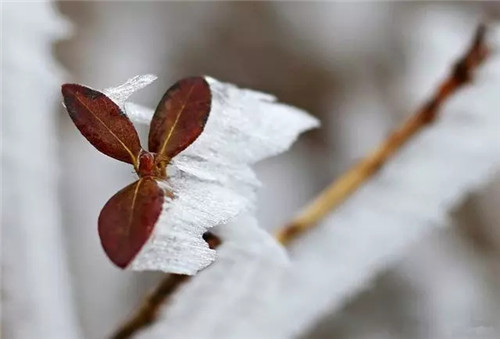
point(211, 180)
point(406, 200)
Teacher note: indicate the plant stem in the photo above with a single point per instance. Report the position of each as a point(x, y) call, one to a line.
point(341, 188)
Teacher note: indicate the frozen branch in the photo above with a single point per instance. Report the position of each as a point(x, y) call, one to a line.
point(435, 151)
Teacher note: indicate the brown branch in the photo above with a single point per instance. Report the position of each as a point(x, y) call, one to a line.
point(341, 188)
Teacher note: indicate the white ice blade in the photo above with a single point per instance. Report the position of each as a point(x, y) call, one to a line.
point(212, 180)
point(121, 93)
point(407, 199)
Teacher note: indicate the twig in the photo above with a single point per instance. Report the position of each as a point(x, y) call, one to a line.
point(340, 189)
point(343, 187)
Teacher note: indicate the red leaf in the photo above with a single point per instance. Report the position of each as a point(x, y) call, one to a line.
point(102, 122)
point(180, 117)
point(128, 218)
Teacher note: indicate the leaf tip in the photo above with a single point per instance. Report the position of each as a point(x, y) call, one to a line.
point(69, 90)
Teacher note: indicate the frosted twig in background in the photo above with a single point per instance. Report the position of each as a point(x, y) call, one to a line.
point(339, 190)
point(36, 289)
point(212, 180)
point(406, 199)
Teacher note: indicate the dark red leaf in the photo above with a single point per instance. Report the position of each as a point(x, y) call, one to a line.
point(128, 218)
point(102, 122)
point(180, 116)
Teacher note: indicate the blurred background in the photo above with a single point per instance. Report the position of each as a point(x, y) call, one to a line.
point(359, 67)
